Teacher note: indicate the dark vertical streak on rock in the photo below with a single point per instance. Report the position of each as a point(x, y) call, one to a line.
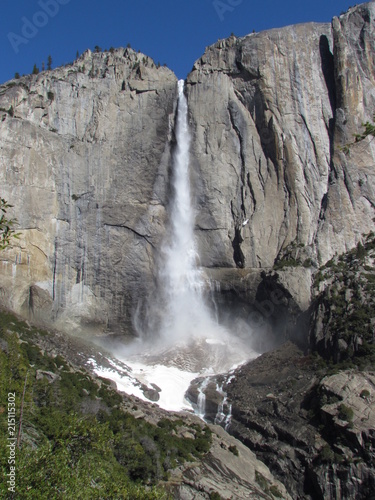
point(328, 70)
point(54, 272)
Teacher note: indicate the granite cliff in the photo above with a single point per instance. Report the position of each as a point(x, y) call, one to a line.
point(84, 160)
point(86, 157)
point(270, 114)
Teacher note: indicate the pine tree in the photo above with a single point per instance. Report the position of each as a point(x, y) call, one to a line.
point(6, 225)
point(361, 252)
point(369, 130)
point(35, 70)
point(49, 62)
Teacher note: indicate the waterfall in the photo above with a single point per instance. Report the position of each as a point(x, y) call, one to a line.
point(201, 400)
point(220, 415)
point(224, 410)
point(177, 327)
point(180, 337)
point(185, 314)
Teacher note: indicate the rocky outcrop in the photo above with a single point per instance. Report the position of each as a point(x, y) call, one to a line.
point(342, 315)
point(229, 470)
point(347, 414)
point(314, 431)
point(85, 152)
point(254, 103)
point(348, 207)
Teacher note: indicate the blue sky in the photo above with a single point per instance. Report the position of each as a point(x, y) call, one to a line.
point(174, 32)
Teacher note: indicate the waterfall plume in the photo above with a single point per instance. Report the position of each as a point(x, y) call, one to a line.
point(186, 333)
point(185, 314)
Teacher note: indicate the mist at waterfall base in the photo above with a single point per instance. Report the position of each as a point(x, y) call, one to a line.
point(181, 338)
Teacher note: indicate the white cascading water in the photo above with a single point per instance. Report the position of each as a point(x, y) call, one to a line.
point(190, 336)
point(185, 316)
point(201, 401)
point(224, 410)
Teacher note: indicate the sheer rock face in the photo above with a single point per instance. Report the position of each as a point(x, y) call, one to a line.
point(269, 114)
point(84, 160)
point(258, 106)
point(86, 156)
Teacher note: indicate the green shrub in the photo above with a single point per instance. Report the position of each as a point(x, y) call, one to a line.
point(275, 491)
point(361, 252)
point(365, 394)
point(233, 449)
point(214, 495)
point(286, 262)
point(345, 413)
point(262, 481)
point(326, 455)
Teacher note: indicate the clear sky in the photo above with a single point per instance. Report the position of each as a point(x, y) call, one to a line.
point(174, 32)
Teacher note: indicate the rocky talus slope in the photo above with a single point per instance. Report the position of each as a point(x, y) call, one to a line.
point(81, 438)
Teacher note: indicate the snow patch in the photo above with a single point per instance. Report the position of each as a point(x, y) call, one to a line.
point(172, 382)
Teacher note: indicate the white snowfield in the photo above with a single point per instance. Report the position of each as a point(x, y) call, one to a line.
point(173, 383)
